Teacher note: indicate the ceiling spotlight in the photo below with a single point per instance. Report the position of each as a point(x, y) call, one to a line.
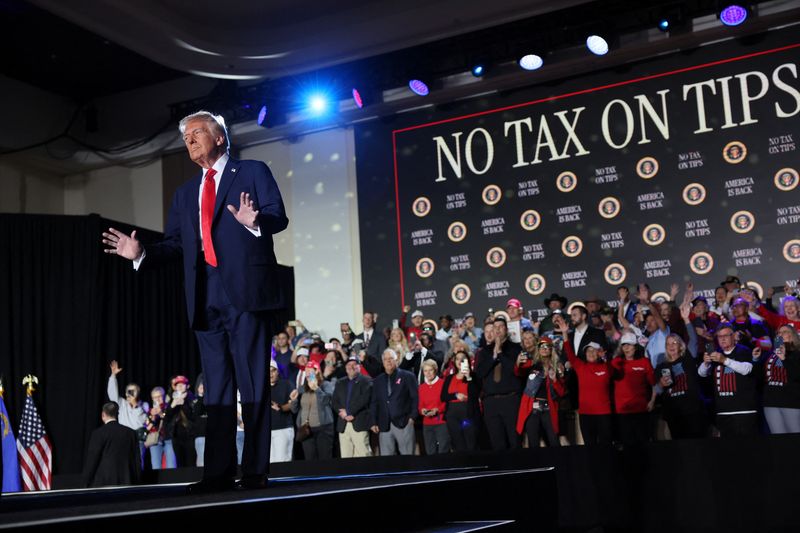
point(597, 45)
point(318, 104)
point(478, 71)
point(733, 15)
point(531, 62)
point(663, 25)
point(418, 87)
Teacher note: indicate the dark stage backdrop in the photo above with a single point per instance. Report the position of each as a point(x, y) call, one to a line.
point(67, 309)
point(677, 168)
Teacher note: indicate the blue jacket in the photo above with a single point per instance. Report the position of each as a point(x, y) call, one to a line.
point(400, 406)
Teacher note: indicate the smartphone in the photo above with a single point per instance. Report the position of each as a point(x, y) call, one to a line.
point(666, 373)
point(464, 366)
point(330, 346)
point(395, 323)
point(778, 343)
point(710, 348)
point(412, 337)
point(311, 377)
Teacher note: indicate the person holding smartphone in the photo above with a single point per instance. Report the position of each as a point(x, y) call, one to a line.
point(312, 405)
point(731, 369)
point(432, 408)
point(782, 383)
point(538, 409)
point(460, 393)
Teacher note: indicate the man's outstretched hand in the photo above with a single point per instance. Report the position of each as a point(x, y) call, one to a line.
point(126, 246)
point(246, 215)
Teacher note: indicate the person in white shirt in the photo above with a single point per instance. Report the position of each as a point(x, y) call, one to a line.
point(132, 411)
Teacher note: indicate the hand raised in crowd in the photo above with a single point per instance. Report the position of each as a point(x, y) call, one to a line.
point(115, 369)
point(674, 289)
point(313, 385)
point(643, 294)
point(688, 296)
point(293, 395)
point(686, 311)
point(522, 359)
point(126, 246)
point(406, 309)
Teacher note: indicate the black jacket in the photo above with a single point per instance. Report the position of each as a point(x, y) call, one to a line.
point(592, 335)
point(473, 393)
point(398, 407)
point(113, 457)
point(414, 365)
point(360, 399)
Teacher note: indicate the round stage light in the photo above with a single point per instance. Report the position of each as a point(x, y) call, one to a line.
point(663, 25)
point(418, 87)
point(318, 103)
point(262, 115)
point(531, 62)
point(733, 15)
point(357, 99)
point(597, 45)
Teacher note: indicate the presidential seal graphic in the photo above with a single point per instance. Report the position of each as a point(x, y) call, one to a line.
point(755, 287)
point(425, 267)
point(608, 207)
point(654, 234)
point(694, 194)
point(574, 305)
point(535, 284)
point(491, 194)
point(461, 293)
point(701, 263)
point(660, 297)
point(566, 181)
point(791, 251)
point(615, 274)
point(734, 152)
point(530, 220)
point(457, 231)
point(647, 167)
point(786, 179)
point(421, 206)
point(572, 246)
point(742, 221)
point(496, 257)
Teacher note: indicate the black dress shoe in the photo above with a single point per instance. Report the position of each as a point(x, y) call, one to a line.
point(252, 482)
point(208, 486)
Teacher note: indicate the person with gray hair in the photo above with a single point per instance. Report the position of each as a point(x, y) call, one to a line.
point(394, 407)
point(220, 224)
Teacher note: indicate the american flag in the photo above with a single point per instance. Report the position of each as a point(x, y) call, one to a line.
point(34, 450)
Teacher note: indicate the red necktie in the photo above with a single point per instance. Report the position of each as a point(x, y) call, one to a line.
point(207, 214)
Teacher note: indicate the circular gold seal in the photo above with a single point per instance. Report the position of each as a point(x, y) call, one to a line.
point(572, 246)
point(496, 257)
point(734, 152)
point(530, 220)
point(421, 206)
point(694, 194)
point(654, 234)
point(491, 194)
point(457, 231)
point(535, 284)
point(701, 263)
point(461, 293)
point(647, 167)
point(742, 221)
point(791, 251)
point(615, 274)
point(608, 207)
point(660, 297)
point(786, 179)
point(566, 181)
point(425, 267)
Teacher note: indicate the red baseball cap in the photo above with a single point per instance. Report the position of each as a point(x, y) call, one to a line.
point(313, 364)
point(513, 302)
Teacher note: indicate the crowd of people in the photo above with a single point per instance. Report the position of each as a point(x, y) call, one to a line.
point(623, 371)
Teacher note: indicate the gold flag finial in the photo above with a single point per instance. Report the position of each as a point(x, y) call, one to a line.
point(29, 382)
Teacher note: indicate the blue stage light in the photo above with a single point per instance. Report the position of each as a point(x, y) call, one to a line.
point(318, 103)
point(357, 99)
point(663, 25)
point(733, 15)
point(531, 62)
point(597, 45)
point(418, 87)
point(477, 71)
point(262, 115)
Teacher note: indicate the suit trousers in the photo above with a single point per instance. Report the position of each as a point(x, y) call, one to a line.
point(234, 350)
point(354, 443)
point(403, 438)
point(500, 415)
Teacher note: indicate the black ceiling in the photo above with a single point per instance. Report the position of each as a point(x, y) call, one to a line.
point(58, 56)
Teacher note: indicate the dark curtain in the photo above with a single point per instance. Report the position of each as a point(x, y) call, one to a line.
point(67, 309)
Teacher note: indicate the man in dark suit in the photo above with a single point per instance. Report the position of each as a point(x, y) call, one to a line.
point(395, 400)
point(232, 290)
point(351, 402)
point(422, 350)
point(113, 457)
point(374, 344)
point(582, 333)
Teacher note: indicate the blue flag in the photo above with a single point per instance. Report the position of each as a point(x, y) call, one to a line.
point(10, 461)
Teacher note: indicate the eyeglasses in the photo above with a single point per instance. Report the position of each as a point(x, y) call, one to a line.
point(724, 334)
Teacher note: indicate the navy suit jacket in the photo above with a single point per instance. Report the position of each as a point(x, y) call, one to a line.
point(398, 408)
point(247, 263)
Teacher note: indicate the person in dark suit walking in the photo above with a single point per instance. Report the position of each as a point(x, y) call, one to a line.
point(395, 398)
point(351, 403)
point(232, 290)
point(374, 344)
point(113, 457)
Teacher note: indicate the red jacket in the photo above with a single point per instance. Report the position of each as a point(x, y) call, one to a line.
point(775, 320)
point(430, 397)
point(408, 329)
point(594, 384)
point(633, 384)
point(526, 404)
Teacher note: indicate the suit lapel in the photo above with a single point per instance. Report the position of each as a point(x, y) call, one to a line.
point(228, 177)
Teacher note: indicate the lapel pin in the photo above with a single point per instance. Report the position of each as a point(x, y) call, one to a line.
point(233, 170)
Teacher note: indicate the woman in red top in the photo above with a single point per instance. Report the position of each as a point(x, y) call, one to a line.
point(460, 393)
point(594, 388)
point(431, 407)
point(634, 394)
point(791, 312)
point(540, 411)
